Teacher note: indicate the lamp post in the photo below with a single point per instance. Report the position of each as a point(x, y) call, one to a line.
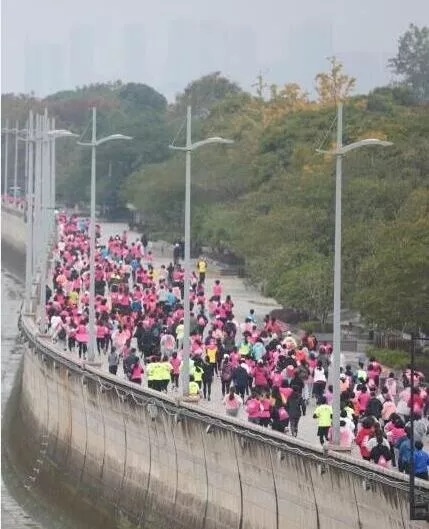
point(186, 282)
point(94, 143)
point(339, 152)
point(15, 171)
point(43, 204)
point(6, 131)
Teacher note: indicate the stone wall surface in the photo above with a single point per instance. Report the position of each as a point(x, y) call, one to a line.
point(130, 453)
point(114, 455)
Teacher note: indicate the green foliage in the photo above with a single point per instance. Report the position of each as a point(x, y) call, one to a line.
point(203, 94)
point(412, 60)
point(393, 358)
point(133, 109)
point(316, 326)
point(393, 282)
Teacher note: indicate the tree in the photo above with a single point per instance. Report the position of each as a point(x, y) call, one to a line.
point(203, 94)
point(309, 287)
point(393, 282)
point(412, 60)
point(334, 86)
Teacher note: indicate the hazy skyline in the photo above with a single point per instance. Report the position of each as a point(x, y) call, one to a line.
point(59, 45)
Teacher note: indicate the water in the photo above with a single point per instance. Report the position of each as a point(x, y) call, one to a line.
point(13, 514)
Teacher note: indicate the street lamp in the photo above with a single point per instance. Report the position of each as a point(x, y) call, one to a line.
point(94, 143)
point(339, 152)
point(186, 305)
point(6, 131)
point(44, 139)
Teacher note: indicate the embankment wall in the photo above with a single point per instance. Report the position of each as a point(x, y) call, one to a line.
point(139, 456)
point(13, 230)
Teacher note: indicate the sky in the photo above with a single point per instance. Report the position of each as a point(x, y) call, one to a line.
point(52, 45)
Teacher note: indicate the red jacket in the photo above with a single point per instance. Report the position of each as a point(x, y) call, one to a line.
point(362, 438)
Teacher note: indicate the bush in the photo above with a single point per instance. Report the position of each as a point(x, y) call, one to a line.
point(316, 326)
point(394, 358)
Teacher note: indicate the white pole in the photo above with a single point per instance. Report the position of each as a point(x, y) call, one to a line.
point(45, 220)
point(15, 173)
point(337, 285)
point(26, 159)
point(53, 176)
point(92, 341)
point(29, 248)
point(6, 158)
point(186, 280)
point(37, 193)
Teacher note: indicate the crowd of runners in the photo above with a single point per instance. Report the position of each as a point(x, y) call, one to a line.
point(263, 371)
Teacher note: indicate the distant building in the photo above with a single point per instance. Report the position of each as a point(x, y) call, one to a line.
point(33, 71)
point(81, 63)
point(181, 63)
point(55, 68)
point(133, 62)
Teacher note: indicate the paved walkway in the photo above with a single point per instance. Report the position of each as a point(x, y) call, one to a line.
point(244, 298)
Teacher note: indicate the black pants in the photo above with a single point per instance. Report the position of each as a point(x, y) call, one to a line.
point(264, 421)
point(240, 390)
point(207, 388)
point(100, 344)
point(113, 369)
point(202, 277)
point(225, 386)
point(175, 379)
point(71, 343)
point(322, 432)
point(318, 389)
point(293, 421)
point(83, 348)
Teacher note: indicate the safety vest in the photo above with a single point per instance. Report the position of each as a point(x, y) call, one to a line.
point(194, 389)
point(198, 374)
point(165, 370)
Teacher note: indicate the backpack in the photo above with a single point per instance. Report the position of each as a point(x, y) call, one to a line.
point(226, 373)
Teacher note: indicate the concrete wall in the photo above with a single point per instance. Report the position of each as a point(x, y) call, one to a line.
point(13, 229)
point(113, 461)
